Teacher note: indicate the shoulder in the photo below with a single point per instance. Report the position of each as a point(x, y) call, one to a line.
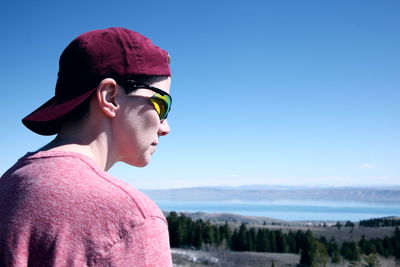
point(73, 184)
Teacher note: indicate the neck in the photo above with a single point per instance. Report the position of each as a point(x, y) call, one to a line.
point(94, 146)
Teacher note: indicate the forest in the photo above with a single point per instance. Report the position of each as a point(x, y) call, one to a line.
point(380, 222)
point(187, 233)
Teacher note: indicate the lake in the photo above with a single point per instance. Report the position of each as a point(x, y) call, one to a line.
point(289, 210)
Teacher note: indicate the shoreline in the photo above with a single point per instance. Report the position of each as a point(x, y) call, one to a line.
point(222, 217)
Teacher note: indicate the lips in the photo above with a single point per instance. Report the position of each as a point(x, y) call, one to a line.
point(154, 147)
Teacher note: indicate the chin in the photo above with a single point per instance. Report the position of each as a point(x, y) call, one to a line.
point(138, 163)
point(142, 165)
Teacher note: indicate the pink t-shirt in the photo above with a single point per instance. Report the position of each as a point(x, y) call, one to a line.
point(60, 209)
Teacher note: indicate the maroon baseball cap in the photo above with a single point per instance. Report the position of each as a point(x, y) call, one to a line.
point(93, 56)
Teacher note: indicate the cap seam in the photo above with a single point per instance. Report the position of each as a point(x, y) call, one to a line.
point(138, 53)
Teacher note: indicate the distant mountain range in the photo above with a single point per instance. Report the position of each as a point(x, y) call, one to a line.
point(262, 192)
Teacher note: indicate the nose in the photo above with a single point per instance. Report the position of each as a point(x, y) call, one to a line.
point(164, 128)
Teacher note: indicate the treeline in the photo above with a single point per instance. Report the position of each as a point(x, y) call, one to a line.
point(379, 222)
point(186, 233)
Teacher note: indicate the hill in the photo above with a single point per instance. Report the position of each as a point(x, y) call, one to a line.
point(253, 193)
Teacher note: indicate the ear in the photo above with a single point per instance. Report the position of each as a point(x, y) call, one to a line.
point(105, 93)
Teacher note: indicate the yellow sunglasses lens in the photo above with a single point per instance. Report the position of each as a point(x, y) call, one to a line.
point(161, 105)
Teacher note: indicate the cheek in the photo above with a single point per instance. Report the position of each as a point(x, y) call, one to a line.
point(147, 117)
point(143, 125)
point(137, 122)
point(149, 125)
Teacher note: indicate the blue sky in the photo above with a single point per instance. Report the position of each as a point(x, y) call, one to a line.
point(265, 92)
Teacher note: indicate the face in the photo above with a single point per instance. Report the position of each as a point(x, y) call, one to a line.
point(137, 126)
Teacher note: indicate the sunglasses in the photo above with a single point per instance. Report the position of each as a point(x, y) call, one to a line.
point(161, 100)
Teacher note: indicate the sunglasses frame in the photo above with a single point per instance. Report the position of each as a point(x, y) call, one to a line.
point(134, 85)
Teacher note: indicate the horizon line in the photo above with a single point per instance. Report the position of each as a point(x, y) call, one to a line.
point(383, 186)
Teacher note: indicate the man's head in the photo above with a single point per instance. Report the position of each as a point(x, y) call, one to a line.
point(127, 118)
point(115, 53)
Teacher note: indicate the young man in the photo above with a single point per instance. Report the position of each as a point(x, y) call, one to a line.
point(58, 206)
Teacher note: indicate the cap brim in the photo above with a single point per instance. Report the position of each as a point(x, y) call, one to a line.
point(47, 119)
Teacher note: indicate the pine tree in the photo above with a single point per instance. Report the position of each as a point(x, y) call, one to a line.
point(333, 251)
point(279, 241)
point(251, 239)
point(173, 225)
point(243, 239)
point(226, 234)
point(319, 254)
point(235, 241)
point(291, 242)
point(396, 243)
point(261, 241)
point(208, 233)
point(350, 251)
point(198, 236)
point(307, 249)
point(272, 241)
